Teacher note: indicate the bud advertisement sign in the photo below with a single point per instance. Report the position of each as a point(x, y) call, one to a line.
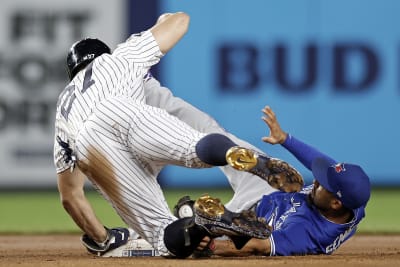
point(329, 69)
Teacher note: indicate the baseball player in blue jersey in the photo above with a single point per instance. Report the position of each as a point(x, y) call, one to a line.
point(316, 220)
point(106, 131)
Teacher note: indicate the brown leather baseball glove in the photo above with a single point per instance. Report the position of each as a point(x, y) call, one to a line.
point(218, 220)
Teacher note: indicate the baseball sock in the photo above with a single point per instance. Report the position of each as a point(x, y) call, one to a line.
point(212, 148)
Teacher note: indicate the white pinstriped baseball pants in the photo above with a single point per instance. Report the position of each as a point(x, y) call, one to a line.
point(122, 147)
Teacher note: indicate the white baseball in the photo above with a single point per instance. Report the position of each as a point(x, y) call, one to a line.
point(185, 211)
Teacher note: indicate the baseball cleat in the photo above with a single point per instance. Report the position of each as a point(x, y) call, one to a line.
point(135, 247)
point(278, 173)
point(241, 159)
point(209, 207)
point(218, 220)
point(244, 159)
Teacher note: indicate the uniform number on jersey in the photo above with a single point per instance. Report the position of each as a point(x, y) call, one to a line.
point(69, 92)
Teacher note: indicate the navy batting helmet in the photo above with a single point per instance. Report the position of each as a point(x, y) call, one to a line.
point(82, 53)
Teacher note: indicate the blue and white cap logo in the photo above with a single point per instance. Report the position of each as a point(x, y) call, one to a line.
point(339, 167)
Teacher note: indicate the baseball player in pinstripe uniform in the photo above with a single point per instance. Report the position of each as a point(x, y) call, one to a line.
point(105, 131)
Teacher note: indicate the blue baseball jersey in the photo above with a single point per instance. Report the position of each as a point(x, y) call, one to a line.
point(298, 228)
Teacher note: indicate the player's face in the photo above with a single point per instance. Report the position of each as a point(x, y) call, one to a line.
point(321, 197)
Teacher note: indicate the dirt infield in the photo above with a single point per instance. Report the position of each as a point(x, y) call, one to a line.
point(66, 250)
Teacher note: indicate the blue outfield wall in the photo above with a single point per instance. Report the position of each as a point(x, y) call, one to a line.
point(329, 69)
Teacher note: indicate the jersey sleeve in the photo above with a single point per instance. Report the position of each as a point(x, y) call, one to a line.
point(142, 49)
point(293, 239)
point(304, 152)
point(61, 161)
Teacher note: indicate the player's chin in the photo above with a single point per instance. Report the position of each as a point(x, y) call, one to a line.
point(311, 196)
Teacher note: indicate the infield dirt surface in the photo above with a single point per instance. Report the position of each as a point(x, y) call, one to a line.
point(66, 250)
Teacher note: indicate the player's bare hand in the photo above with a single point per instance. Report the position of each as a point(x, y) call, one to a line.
point(276, 135)
point(204, 243)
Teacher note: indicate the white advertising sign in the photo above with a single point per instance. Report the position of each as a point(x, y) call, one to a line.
point(34, 40)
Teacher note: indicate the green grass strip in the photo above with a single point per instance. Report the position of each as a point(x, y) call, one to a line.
point(41, 212)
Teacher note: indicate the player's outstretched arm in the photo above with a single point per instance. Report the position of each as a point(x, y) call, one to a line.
point(71, 189)
point(169, 29)
point(226, 248)
point(302, 151)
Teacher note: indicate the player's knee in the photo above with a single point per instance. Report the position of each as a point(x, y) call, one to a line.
point(183, 236)
point(212, 148)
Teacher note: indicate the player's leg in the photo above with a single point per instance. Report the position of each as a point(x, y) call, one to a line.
point(128, 183)
point(154, 135)
point(247, 190)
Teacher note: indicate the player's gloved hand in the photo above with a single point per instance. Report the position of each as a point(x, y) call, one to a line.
point(116, 237)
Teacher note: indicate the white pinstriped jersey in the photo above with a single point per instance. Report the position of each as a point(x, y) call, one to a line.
point(119, 141)
point(119, 74)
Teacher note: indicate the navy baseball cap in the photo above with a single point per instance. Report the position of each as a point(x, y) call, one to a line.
point(348, 182)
